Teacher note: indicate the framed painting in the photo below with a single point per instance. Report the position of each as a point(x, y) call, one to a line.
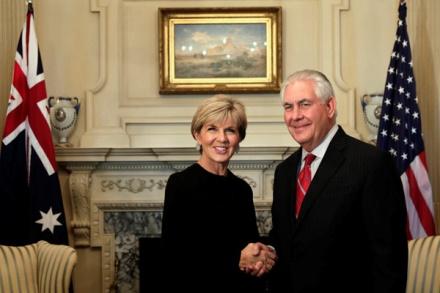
point(220, 50)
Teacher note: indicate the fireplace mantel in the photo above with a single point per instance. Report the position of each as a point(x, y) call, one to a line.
point(117, 196)
point(66, 156)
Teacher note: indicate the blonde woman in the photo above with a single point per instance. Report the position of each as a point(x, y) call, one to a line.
point(209, 215)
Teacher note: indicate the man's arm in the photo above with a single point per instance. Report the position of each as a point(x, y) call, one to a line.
point(385, 219)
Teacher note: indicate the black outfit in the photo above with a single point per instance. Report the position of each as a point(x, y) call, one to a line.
point(350, 233)
point(207, 220)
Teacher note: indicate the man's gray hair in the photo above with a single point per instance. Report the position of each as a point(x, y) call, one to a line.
point(323, 87)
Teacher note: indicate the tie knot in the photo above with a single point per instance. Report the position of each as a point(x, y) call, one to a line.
point(309, 159)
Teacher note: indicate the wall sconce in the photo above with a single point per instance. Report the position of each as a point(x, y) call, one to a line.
point(372, 108)
point(63, 117)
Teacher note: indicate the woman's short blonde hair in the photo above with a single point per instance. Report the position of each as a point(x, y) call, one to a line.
point(219, 108)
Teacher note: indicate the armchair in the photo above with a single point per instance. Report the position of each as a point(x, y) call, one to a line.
point(424, 265)
point(38, 267)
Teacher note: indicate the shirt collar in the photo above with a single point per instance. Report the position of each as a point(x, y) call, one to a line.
point(320, 150)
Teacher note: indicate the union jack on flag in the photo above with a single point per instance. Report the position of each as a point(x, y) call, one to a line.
point(31, 202)
point(400, 134)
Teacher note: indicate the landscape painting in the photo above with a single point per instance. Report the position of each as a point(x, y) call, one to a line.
point(220, 50)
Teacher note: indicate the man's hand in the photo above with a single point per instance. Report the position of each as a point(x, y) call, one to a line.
point(257, 259)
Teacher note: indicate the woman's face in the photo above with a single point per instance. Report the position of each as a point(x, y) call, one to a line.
point(219, 141)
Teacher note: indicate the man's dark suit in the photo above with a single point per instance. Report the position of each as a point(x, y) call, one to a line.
point(350, 233)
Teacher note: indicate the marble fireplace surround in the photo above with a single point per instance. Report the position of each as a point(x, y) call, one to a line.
point(117, 196)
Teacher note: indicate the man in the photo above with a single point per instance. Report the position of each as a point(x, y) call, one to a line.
point(348, 234)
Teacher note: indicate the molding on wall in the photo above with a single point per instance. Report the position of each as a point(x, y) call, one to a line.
point(102, 11)
point(139, 125)
point(332, 62)
point(114, 136)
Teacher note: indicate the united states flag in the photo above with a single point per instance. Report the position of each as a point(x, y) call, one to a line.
point(400, 134)
point(30, 200)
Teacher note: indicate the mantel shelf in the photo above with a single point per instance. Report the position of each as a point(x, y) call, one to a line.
point(66, 155)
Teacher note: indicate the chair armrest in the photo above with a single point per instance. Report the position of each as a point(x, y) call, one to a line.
point(55, 267)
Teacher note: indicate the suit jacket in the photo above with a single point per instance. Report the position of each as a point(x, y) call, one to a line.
point(350, 234)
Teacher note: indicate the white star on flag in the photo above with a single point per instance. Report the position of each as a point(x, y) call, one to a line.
point(49, 220)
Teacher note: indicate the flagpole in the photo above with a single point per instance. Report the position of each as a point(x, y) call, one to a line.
point(30, 6)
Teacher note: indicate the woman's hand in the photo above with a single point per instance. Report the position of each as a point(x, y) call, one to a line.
point(257, 259)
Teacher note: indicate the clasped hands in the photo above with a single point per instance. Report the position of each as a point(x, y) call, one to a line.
point(257, 259)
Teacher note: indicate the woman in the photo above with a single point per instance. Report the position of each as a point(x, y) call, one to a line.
point(209, 215)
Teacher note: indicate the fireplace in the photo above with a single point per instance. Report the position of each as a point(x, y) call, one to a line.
point(117, 198)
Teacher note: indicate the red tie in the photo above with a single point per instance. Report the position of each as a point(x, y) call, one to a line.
point(304, 179)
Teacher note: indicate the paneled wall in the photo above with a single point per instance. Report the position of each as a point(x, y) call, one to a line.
point(105, 52)
point(12, 15)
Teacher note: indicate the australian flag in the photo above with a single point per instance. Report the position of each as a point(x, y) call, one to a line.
point(31, 207)
point(400, 134)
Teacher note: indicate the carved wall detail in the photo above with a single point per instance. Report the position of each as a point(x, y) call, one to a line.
point(134, 185)
point(79, 190)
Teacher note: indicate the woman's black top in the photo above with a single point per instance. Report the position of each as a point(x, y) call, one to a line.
point(207, 220)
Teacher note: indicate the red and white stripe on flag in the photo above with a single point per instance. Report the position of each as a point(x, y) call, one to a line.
point(418, 197)
point(27, 106)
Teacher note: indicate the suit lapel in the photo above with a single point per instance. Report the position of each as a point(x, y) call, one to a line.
point(331, 162)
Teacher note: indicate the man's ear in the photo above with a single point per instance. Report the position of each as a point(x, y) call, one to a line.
point(331, 107)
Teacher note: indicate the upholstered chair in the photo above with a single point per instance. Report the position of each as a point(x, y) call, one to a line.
point(38, 267)
point(424, 265)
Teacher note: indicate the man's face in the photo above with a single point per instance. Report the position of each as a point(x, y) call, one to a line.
point(307, 117)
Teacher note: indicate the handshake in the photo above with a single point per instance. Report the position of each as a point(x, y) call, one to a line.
point(257, 259)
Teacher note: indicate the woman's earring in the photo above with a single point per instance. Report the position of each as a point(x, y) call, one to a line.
point(237, 149)
point(198, 147)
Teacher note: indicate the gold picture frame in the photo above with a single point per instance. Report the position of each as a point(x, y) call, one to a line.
point(220, 50)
